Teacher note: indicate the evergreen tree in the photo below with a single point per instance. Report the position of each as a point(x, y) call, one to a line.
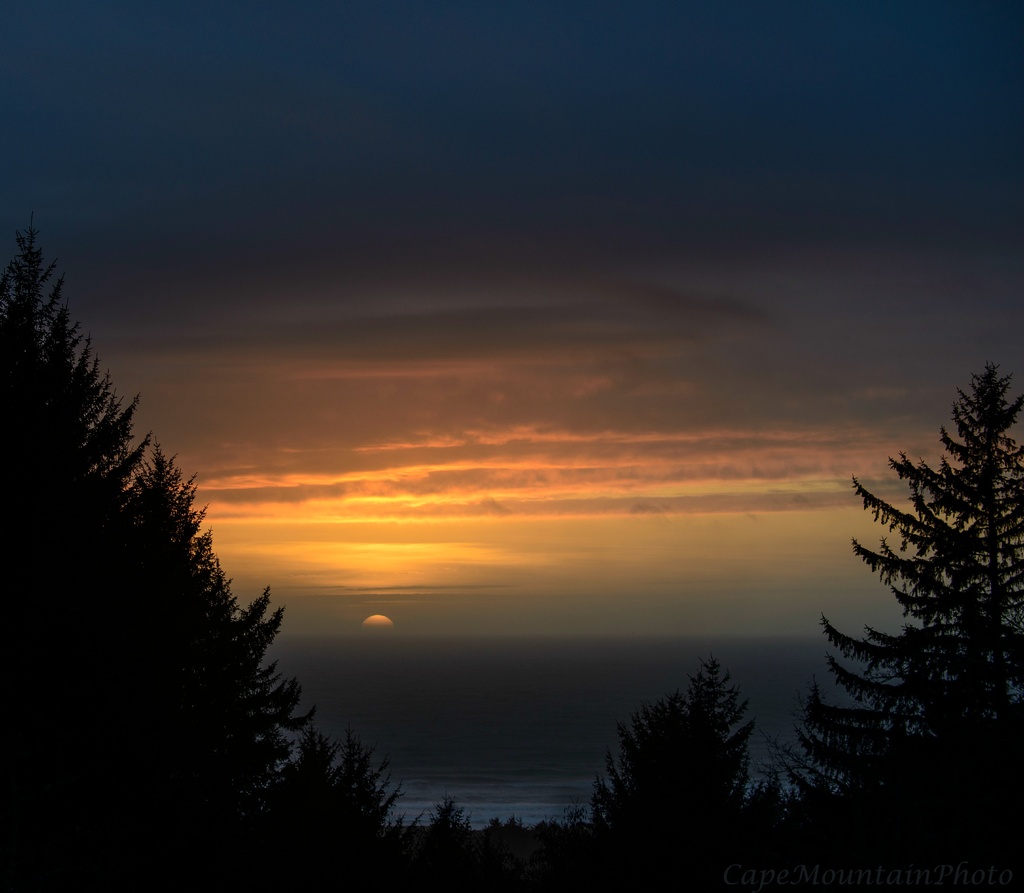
point(227, 712)
point(333, 811)
point(69, 456)
point(448, 856)
point(568, 854)
point(674, 797)
point(932, 735)
point(147, 714)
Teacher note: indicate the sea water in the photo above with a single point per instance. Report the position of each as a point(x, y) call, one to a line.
point(521, 726)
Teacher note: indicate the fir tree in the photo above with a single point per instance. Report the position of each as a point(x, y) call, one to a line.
point(340, 788)
point(675, 795)
point(147, 714)
point(69, 455)
point(932, 733)
point(334, 812)
point(448, 856)
point(227, 708)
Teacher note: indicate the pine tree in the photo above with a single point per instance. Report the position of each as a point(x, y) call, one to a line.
point(936, 707)
point(676, 791)
point(228, 712)
point(338, 790)
point(69, 455)
point(334, 812)
point(448, 856)
point(146, 712)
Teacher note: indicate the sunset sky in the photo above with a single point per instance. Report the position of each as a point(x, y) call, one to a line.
point(533, 317)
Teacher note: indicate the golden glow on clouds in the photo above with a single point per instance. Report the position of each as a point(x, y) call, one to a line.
point(510, 517)
point(474, 462)
point(703, 572)
point(528, 474)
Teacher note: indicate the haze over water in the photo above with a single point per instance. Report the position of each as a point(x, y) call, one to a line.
point(519, 725)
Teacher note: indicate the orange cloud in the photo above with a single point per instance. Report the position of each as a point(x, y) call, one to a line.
point(528, 472)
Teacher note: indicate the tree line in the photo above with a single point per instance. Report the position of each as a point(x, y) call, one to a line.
point(151, 742)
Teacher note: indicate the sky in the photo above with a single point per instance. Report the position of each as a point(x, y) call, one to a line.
point(533, 317)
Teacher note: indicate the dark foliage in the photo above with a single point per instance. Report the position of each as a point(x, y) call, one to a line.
point(567, 857)
point(918, 765)
point(447, 852)
point(149, 724)
point(333, 812)
point(674, 797)
point(226, 734)
point(69, 458)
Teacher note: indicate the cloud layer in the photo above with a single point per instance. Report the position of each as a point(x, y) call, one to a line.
point(535, 315)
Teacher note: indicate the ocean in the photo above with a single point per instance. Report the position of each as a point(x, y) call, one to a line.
point(520, 726)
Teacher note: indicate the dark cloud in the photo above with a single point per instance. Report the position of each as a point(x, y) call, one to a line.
point(646, 507)
point(340, 223)
point(622, 317)
point(534, 278)
point(180, 137)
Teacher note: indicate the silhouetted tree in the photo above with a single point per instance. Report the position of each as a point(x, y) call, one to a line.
point(452, 856)
point(226, 711)
point(333, 812)
point(501, 868)
point(567, 857)
point(447, 853)
point(69, 457)
point(145, 708)
point(932, 740)
point(673, 798)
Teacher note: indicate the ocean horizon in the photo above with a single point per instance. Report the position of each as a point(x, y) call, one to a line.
point(519, 726)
